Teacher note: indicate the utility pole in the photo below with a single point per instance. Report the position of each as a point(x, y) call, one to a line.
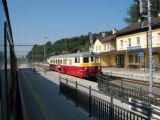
point(44, 49)
point(150, 46)
point(149, 37)
point(65, 45)
point(90, 42)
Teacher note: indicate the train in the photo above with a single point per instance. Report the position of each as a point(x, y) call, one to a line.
point(10, 101)
point(80, 64)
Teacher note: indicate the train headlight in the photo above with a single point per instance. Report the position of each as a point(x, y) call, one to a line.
point(99, 68)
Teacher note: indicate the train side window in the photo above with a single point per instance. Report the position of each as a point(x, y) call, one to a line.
point(70, 61)
point(76, 60)
point(85, 60)
point(65, 61)
point(91, 59)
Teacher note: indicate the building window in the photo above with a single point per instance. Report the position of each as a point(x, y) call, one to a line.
point(105, 48)
point(108, 47)
point(129, 42)
point(138, 59)
point(121, 42)
point(96, 48)
point(131, 58)
point(99, 48)
point(138, 40)
point(159, 36)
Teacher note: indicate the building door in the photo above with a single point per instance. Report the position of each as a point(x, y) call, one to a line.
point(120, 61)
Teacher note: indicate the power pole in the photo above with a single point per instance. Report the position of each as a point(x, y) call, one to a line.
point(65, 45)
point(90, 42)
point(150, 46)
point(44, 49)
point(147, 14)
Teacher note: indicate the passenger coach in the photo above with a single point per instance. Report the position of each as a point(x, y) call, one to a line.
point(83, 65)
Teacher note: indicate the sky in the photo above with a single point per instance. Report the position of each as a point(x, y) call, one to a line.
point(34, 20)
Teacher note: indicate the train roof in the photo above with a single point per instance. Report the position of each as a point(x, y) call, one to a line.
point(78, 54)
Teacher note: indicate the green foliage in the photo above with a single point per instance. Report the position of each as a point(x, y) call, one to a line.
point(132, 14)
point(133, 11)
point(62, 46)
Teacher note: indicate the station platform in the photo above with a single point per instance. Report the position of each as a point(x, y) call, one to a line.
point(131, 74)
point(42, 100)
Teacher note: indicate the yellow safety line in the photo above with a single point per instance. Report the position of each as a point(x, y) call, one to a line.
point(36, 97)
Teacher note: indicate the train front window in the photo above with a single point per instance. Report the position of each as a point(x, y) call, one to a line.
point(97, 60)
point(91, 59)
point(85, 60)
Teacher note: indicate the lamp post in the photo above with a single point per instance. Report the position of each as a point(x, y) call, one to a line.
point(44, 50)
point(126, 53)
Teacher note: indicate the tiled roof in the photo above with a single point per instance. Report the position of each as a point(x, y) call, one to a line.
point(137, 27)
point(107, 38)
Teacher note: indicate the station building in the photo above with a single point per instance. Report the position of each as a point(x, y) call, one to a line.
point(128, 48)
point(106, 46)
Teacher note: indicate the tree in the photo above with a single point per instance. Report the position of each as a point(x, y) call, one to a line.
point(132, 14)
point(133, 10)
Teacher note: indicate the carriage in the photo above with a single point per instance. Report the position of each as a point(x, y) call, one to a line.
point(82, 64)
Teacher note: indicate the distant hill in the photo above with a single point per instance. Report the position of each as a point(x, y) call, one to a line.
point(74, 44)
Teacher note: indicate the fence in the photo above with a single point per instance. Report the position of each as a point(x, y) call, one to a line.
point(156, 79)
point(96, 107)
point(105, 85)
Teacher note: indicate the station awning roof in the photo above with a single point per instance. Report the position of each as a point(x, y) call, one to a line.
point(120, 52)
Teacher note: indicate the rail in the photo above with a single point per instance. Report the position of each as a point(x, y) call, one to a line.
point(105, 85)
point(156, 79)
point(95, 106)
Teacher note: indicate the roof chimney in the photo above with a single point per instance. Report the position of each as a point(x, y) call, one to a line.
point(103, 34)
point(114, 31)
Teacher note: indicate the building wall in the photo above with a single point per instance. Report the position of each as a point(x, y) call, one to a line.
point(104, 61)
point(104, 47)
point(108, 60)
point(143, 40)
point(98, 46)
point(112, 60)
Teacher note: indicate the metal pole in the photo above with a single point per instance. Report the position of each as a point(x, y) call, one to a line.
point(126, 55)
point(150, 46)
point(44, 52)
point(65, 45)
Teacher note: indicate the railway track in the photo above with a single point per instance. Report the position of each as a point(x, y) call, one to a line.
point(140, 82)
point(135, 85)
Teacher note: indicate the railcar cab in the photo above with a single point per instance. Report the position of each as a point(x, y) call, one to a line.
point(82, 65)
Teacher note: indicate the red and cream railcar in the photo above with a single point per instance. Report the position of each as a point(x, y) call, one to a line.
point(83, 65)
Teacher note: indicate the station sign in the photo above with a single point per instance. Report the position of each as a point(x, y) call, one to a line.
point(134, 48)
point(139, 54)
